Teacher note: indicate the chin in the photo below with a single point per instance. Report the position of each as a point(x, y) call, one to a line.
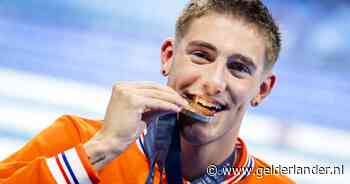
point(198, 133)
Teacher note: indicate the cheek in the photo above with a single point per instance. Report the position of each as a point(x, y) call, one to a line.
point(182, 76)
point(242, 92)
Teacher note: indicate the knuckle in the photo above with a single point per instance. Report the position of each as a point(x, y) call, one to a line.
point(116, 88)
point(119, 90)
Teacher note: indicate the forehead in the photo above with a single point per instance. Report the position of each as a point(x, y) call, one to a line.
point(230, 35)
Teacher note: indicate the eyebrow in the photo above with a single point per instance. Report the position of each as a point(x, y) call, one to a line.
point(247, 60)
point(235, 56)
point(203, 44)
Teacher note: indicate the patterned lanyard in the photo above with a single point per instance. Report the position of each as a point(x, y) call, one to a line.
point(163, 148)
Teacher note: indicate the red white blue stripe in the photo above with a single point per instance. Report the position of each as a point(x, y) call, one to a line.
point(67, 168)
point(140, 141)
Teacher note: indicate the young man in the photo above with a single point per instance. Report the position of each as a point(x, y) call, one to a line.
point(222, 56)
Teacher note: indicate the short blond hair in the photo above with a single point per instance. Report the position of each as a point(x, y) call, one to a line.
point(254, 12)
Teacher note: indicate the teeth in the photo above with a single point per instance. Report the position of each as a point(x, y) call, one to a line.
point(209, 105)
point(203, 102)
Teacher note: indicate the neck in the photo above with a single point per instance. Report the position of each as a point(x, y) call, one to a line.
point(196, 159)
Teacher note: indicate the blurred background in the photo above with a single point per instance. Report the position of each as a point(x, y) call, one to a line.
point(62, 57)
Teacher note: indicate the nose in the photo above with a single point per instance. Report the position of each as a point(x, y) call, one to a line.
point(213, 80)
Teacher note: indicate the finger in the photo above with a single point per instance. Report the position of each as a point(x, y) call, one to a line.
point(161, 95)
point(144, 85)
point(159, 105)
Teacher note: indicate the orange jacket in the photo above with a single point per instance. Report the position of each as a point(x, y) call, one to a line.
point(56, 156)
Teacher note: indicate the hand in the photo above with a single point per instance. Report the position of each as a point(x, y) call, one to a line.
point(125, 117)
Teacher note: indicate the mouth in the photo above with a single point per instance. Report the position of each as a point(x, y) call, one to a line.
point(204, 105)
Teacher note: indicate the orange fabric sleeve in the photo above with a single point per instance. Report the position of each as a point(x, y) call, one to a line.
point(35, 171)
point(29, 164)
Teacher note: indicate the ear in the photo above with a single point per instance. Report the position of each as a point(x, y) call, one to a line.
point(166, 55)
point(265, 89)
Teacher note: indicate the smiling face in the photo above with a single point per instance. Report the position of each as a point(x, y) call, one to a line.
point(219, 61)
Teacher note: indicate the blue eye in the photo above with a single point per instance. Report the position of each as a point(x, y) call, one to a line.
point(200, 54)
point(239, 67)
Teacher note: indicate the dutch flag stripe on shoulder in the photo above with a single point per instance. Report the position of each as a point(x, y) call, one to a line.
point(67, 168)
